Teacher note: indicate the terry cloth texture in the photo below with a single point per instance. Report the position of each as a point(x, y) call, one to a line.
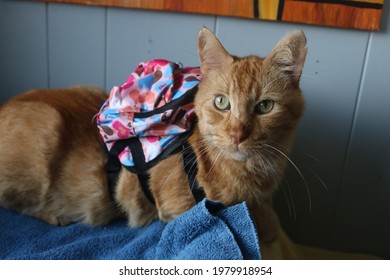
point(209, 230)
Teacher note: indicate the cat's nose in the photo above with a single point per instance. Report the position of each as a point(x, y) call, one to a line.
point(238, 134)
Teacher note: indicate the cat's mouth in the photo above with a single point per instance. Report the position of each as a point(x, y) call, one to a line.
point(238, 155)
point(236, 152)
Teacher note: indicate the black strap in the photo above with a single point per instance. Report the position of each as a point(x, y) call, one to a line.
point(190, 166)
point(191, 169)
point(143, 179)
point(187, 98)
point(135, 146)
point(114, 167)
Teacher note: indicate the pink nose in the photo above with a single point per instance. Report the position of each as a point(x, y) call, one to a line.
point(238, 135)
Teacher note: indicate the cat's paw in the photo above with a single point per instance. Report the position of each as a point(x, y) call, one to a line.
point(140, 218)
point(53, 220)
point(166, 217)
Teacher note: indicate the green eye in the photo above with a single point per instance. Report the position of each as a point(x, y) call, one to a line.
point(222, 102)
point(264, 107)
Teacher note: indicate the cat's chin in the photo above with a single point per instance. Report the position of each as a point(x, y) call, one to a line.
point(237, 155)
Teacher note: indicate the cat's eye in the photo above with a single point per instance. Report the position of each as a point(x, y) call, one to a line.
point(264, 107)
point(222, 102)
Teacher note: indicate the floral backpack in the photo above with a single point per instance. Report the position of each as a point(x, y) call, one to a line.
point(149, 117)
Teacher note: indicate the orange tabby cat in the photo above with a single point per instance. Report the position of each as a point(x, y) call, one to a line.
point(52, 158)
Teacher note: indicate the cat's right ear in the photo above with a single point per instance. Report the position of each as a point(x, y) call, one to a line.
point(288, 56)
point(211, 52)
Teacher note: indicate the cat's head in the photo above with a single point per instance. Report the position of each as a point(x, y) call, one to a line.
point(247, 104)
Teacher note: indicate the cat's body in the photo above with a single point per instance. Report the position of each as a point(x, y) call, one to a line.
point(52, 158)
point(52, 164)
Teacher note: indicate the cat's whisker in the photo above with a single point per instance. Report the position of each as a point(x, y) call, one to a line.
point(265, 161)
point(202, 150)
point(266, 165)
point(298, 171)
point(194, 165)
point(318, 177)
point(215, 160)
point(287, 201)
point(311, 170)
point(167, 178)
point(263, 165)
point(312, 157)
point(292, 199)
point(288, 196)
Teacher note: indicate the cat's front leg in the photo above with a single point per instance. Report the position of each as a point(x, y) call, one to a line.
point(132, 201)
point(167, 213)
point(170, 188)
point(266, 219)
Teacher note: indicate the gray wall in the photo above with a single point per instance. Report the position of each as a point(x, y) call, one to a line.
point(342, 147)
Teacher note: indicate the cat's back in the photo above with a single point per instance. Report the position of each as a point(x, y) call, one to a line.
point(39, 119)
point(73, 102)
point(48, 140)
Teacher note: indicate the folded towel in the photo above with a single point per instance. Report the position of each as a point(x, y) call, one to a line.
point(209, 230)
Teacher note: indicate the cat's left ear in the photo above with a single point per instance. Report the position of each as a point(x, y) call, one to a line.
point(212, 54)
point(289, 55)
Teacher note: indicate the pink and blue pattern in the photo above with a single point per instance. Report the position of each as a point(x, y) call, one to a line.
point(137, 108)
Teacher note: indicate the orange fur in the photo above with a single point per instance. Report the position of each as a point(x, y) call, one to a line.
point(52, 164)
point(52, 160)
point(241, 155)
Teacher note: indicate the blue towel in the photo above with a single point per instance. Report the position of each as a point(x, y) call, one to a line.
point(209, 230)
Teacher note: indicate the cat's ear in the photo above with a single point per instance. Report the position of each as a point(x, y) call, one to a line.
point(288, 56)
point(211, 52)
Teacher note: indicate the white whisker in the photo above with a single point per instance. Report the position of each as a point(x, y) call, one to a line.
point(289, 195)
point(298, 171)
point(311, 156)
point(292, 200)
point(214, 163)
point(318, 177)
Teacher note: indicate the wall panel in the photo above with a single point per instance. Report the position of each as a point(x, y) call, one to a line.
point(76, 45)
point(23, 47)
point(135, 35)
point(365, 194)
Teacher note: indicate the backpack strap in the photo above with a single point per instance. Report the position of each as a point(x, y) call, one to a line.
point(143, 179)
point(191, 169)
point(190, 166)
